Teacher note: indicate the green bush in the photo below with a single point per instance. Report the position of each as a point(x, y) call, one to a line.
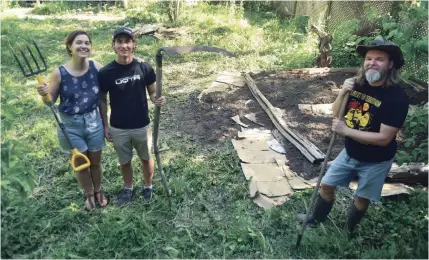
point(415, 137)
point(17, 177)
point(397, 229)
point(407, 28)
point(60, 7)
point(145, 15)
point(344, 44)
point(49, 8)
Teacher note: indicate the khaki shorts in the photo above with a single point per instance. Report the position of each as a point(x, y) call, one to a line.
point(125, 139)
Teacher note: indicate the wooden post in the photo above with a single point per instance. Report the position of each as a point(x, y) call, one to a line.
point(328, 12)
point(294, 9)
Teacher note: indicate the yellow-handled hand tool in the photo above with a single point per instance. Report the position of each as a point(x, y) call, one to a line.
point(47, 99)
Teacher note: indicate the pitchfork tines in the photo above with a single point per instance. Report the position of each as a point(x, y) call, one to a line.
point(32, 70)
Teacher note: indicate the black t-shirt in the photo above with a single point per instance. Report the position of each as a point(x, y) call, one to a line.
point(127, 85)
point(369, 107)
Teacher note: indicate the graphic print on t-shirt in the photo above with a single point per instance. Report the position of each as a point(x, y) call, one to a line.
point(360, 110)
point(126, 79)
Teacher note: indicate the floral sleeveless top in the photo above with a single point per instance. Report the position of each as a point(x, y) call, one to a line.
point(79, 95)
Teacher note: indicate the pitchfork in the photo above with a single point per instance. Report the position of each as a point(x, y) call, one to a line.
point(47, 99)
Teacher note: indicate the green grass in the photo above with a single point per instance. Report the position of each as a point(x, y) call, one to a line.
point(67, 7)
point(212, 216)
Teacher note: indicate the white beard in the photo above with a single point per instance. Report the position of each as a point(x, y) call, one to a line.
point(372, 75)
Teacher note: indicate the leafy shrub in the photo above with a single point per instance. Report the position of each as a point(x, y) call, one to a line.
point(60, 7)
point(145, 15)
point(49, 8)
point(16, 176)
point(398, 229)
point(344, 44)
point(416, 136)
point(407, 28)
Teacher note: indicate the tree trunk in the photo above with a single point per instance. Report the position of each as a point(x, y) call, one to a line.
point(173, 10)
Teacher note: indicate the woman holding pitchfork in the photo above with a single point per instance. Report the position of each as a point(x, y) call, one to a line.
point(77, 86)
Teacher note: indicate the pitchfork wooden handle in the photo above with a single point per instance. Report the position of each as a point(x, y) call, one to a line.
point(47, 99)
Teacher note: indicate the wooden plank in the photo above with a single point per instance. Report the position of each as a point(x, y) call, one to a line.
point(389, 189)
point(308, 149)
point(270, 112)
point(407, 170)
point(280, 124)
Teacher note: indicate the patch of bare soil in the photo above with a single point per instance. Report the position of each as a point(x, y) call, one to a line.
point(208, 121)
point(286, 93)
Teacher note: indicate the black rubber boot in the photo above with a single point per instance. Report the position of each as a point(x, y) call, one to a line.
point(320, 211)
point(355, 216)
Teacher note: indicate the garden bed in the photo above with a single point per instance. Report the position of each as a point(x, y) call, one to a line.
point(207, 119)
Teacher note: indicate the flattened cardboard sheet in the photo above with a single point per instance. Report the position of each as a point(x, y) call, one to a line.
point(255, 152)
point(235, 79)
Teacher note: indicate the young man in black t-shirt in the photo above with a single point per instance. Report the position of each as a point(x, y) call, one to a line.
point(126, 80)
point(376, 110)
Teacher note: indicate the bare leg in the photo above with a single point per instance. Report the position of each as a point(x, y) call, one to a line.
point(361, 203)
point(356, 212)
point(327, 192)
point(95, 171)
point(127, 174)
point(85, 181)
point(147, 167)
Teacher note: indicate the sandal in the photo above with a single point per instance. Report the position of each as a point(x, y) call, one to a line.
point(101, 198)
point(89, 202)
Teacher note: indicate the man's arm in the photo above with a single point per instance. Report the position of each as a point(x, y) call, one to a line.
point(347, 87)
point(103, 112)
point(103, 109)
point(382, 138)
point(152, 95)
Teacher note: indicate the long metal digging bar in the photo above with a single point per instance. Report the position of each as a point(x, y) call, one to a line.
point(47, 99)
point(172, 51)
point(322, 172)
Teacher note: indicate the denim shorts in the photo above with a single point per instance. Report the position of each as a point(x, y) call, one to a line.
point(124, 140)
point(86, 132)
point(371, 175)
